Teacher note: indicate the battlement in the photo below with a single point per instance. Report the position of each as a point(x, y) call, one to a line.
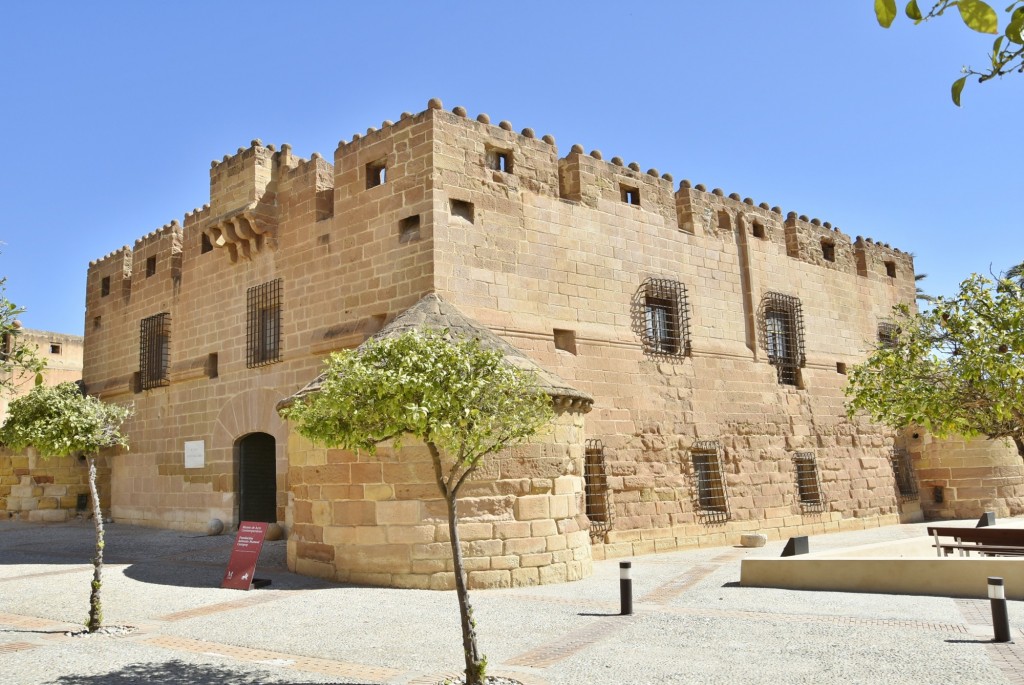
point(254, 192)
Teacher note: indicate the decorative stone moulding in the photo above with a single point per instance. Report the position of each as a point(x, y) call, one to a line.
point(240, 232)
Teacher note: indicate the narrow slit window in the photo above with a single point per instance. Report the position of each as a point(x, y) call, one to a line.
point(154, 351)
point(263, 329)
point(409, 229)
point(376, 173)
point(105, 286)
point(205, 245)
point(211, 365)
point(807, 482)
point(888, 334)
point(903, 472)
point(630, 195)
point(709, 496)
point(565, 340)
point(462, 210)
point(828, 250)
point(595, 477)
point(499, 160)
point(150, 266)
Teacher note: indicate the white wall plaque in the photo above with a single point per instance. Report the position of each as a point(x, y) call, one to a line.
point(195, 454)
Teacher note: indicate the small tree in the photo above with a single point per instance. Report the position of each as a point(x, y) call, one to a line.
point(18, 361)
point(463, 400)
point(59, 421)
point(958, 368)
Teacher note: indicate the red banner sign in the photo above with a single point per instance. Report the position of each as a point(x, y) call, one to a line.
point(244, 555)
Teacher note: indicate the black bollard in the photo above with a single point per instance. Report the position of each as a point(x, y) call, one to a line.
point(626, 587)
point(1000, 619)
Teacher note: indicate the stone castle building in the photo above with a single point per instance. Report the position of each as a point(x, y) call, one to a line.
point(695, 344)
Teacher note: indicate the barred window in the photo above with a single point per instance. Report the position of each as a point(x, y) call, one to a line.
point(595, 478)
point(887, 333)
point(782, 334)
point(903, 471)
point(263, 329)
point(709, 497)
point(661, 317)
point(807, 483)
point(154, 350)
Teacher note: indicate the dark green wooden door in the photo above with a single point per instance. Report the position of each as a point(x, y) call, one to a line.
point(257, 478)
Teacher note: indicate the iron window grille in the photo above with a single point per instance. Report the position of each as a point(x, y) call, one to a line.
point(661, 317)
point(887, 334)
point(154, 350)
point(709, 496)
point(903, 472)
point(597, 499)
point(808, 484)
point(263, 329)
point(782, 332)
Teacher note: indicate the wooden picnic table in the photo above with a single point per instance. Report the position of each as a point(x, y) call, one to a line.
point(986, 541)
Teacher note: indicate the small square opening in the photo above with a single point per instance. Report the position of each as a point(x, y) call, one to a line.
point(150, 266)
point(97, 321)
point(724, 222)
point(828, 250)
point(54, 348)
point(105, 286)
point(565, 340)
point(758, 230)
point(205, 244)
point(376, 173)
point(890, 269)
point(500, 160)
point(630, 195)
point(409, 229)
point(841, 367)
point(462, 209)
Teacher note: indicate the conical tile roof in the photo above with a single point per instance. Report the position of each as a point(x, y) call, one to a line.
point(432, 312)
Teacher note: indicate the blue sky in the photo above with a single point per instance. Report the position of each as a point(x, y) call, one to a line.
point(111, 112)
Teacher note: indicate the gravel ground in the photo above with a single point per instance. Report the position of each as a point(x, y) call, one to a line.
point(700, 626)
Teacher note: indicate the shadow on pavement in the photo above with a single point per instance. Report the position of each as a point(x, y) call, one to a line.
point(174, 672)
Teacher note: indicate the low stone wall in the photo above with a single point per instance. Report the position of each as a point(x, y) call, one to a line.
point(974, 476)
point(380, 519)
point(47, 489)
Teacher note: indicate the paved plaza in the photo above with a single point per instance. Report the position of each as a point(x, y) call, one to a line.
point(693, 623)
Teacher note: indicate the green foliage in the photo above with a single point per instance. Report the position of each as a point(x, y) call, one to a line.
point(18, 361)
point(956, 369)
point(60, 420)
point(463, 400)
point(455, 394)
point(1007, 55)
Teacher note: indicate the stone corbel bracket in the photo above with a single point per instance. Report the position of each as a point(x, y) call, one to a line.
point(242, 232)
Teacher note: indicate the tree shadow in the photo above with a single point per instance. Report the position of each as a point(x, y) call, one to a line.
point(175, 672)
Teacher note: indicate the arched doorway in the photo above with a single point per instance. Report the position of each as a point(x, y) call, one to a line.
point(257, 478)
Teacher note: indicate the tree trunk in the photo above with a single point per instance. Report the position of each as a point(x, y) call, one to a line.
point(475, 663)
point(95, 608)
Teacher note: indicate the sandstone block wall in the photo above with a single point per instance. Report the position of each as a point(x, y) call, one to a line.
point(35, 488)
point(551, 253)
point(380, 520)
point(970, 477)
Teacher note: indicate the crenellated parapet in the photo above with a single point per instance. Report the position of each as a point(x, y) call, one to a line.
point(158, 253)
